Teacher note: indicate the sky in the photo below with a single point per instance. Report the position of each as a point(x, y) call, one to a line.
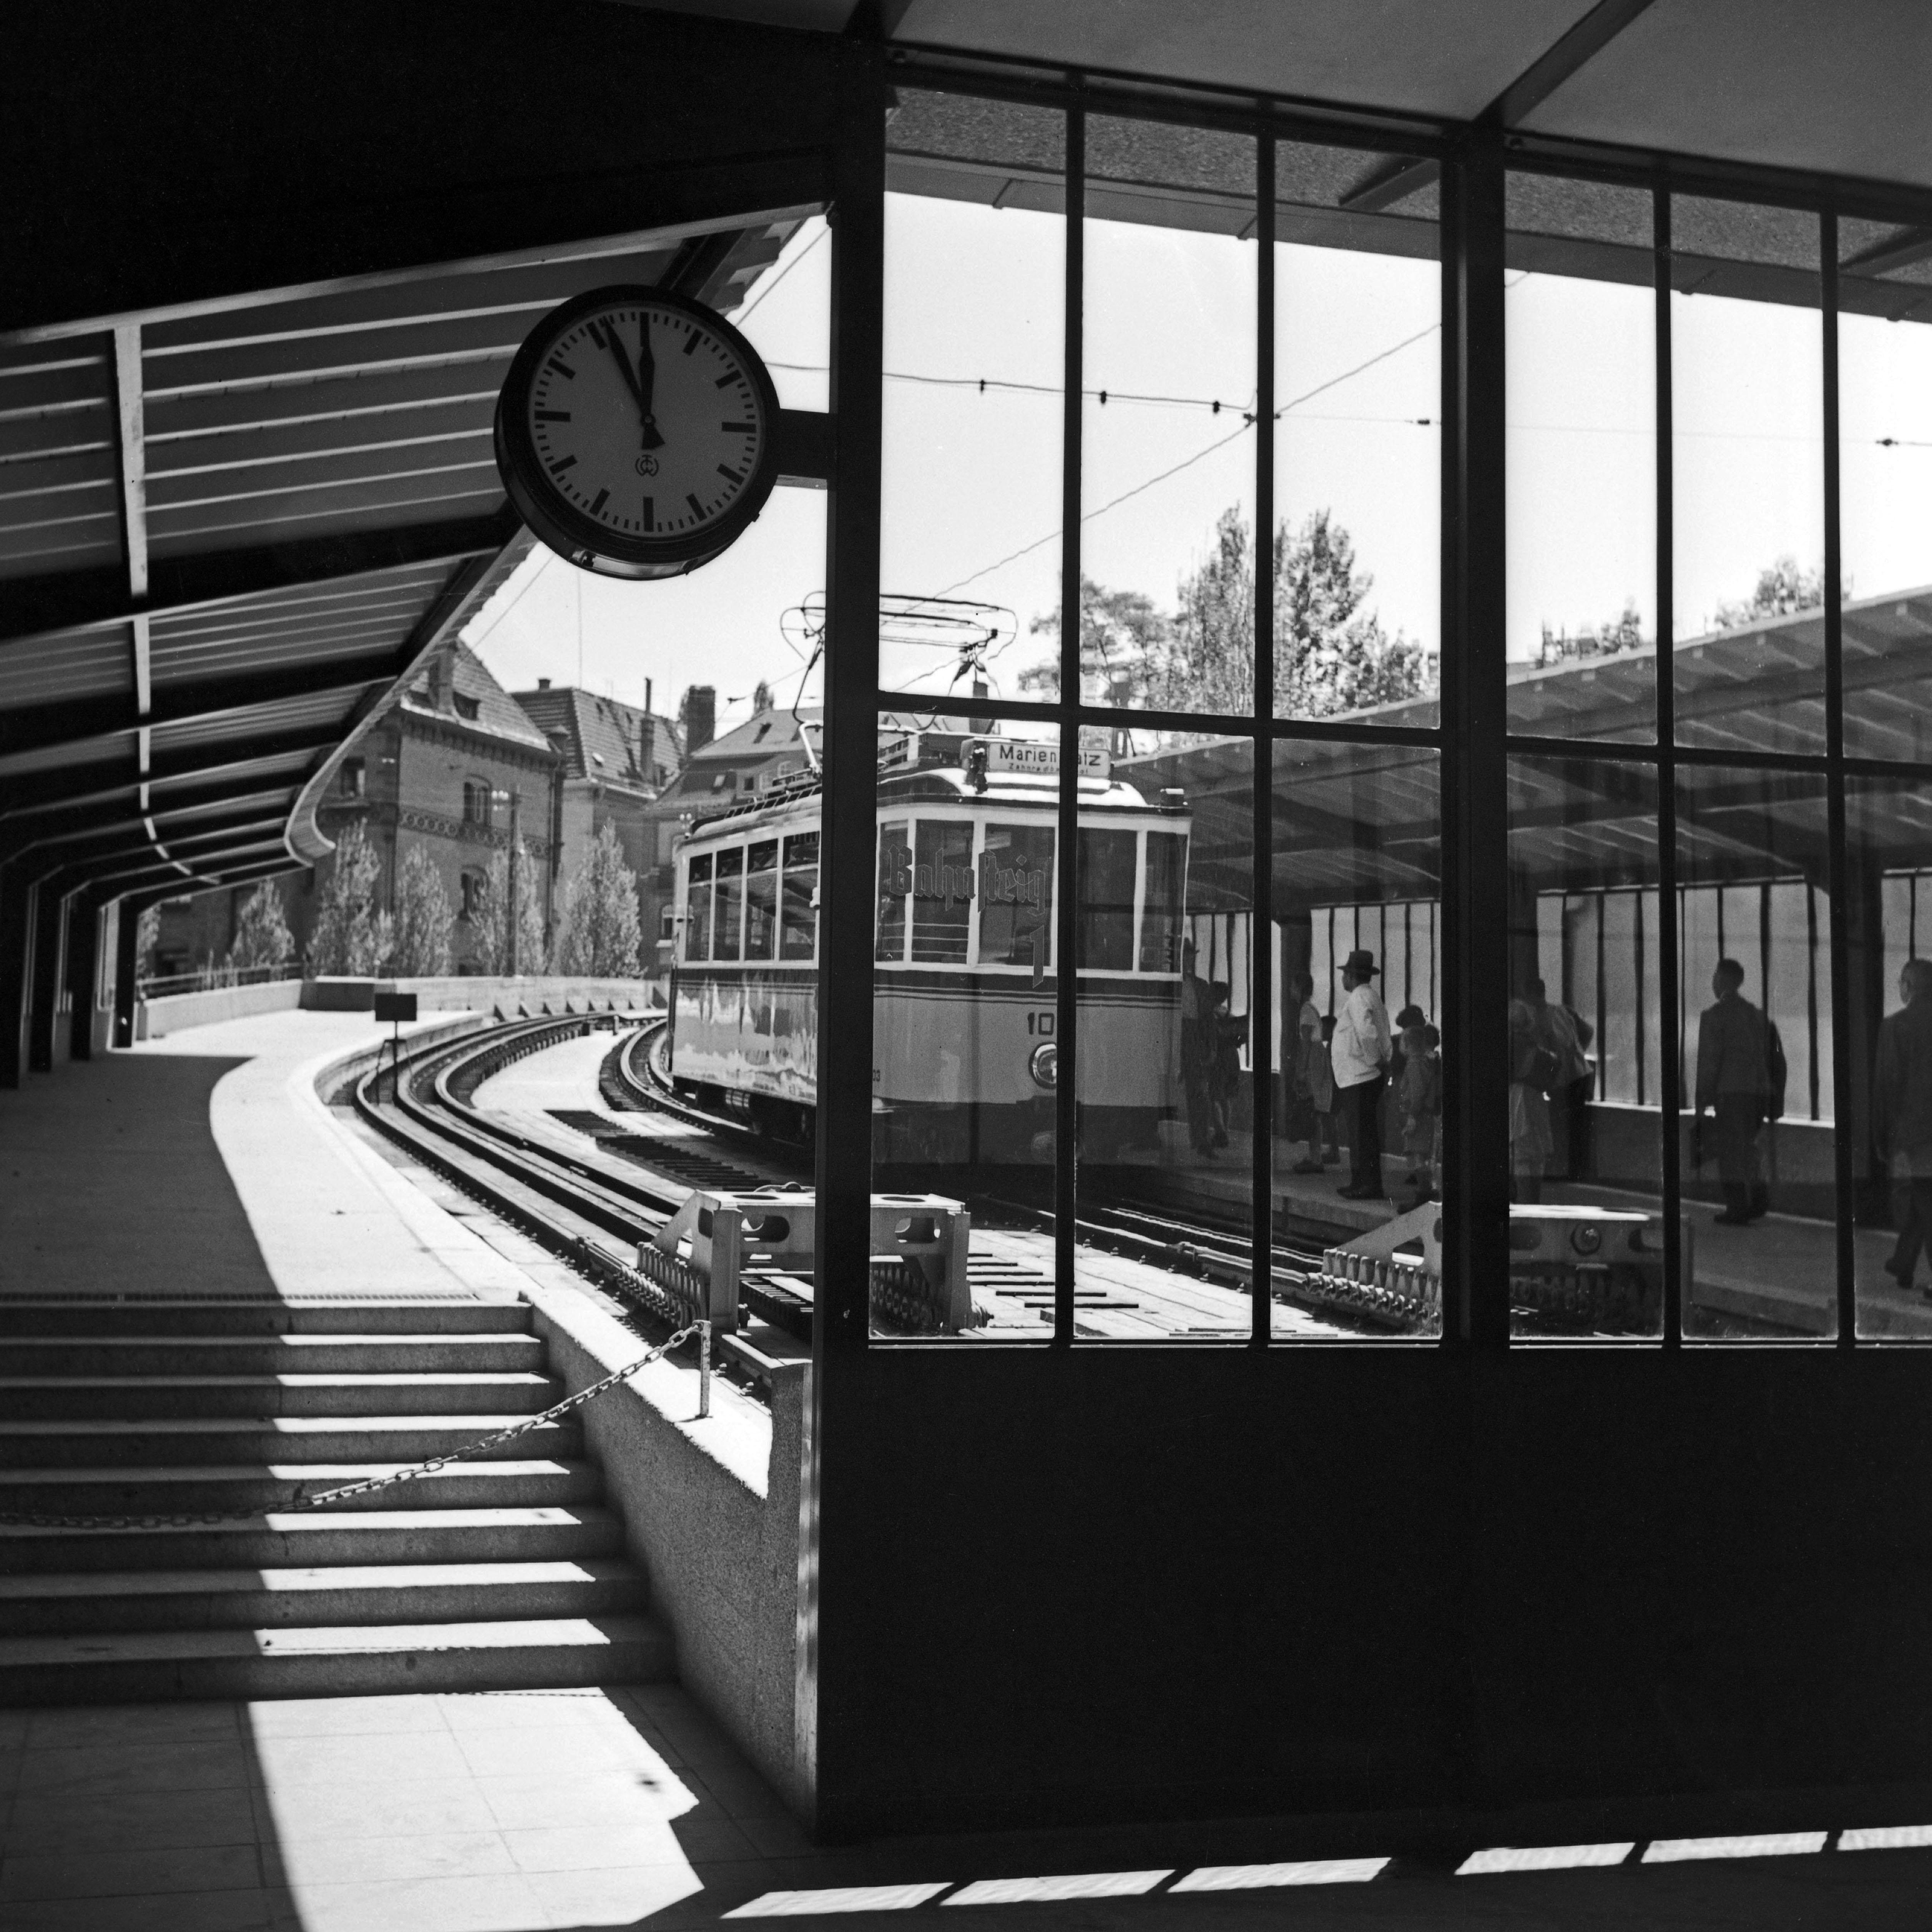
point(973, 473)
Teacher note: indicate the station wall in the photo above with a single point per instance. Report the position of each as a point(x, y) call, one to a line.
point(1120, 1583)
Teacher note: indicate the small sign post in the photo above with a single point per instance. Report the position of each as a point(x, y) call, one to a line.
point(395, 1008)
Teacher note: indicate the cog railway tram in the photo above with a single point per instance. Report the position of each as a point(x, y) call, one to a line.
point(967, 876)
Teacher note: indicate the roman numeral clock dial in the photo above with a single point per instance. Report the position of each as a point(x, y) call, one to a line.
point(636, 433)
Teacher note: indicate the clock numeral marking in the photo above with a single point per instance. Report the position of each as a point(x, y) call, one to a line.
point(558, 469)
point(602, 497)
point(650, 513)
point(725, 381)
point(562, 415)
point(697, 508)
point(730, 429)
point(731, 476)
point(564, 370)
point(691, 341)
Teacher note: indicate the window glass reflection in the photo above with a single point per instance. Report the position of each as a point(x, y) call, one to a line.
point(800, 934)
point(761, 898)
point(1747, 414)
point(1582, 460)
point(1358, 351)
point(963, 1055)
point(1357, 1062)
point(975, 266)
point(1754, 1007)
point(1587, 1234)
point(1168, 456)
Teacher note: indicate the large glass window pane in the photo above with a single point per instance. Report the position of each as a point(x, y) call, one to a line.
point(727, 932)
point(1587, 1235)
point(1754, 1007)
point(697, 909)
point(1358, 353)
point(1164, 875)
point(1885, 458)
point(1355, 969)
point(800, 935)
point(1167, 460)
point(975, 302)
point(761, 898)
point(1747, 425)
point(1582, 460)
point(1887, 902)
point(965, 1062)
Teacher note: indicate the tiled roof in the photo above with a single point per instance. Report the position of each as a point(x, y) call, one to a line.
point(603, 738)
point(497, 712)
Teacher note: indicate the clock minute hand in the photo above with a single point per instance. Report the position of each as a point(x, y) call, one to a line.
point(608, 335)
point(647, 378)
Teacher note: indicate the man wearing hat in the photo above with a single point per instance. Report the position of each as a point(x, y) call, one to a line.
point(1359, 1053)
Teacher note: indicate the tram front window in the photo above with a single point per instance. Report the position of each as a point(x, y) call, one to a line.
point(942, 891)
point(697, 910)
point(761, 900)
point(1161, 920)
point(895, 884)
point(1106, 901)
point(798, 939)
point(730, 911)
point(1016, 896)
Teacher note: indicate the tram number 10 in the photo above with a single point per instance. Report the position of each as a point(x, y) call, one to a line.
point(1041, 1024)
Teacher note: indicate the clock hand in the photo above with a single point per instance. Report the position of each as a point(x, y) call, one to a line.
point(647, 376)
point(608, 336)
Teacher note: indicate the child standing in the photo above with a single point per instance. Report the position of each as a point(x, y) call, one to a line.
point(1421, 1103)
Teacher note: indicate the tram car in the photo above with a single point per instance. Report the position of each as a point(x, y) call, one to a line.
point(964, 1060)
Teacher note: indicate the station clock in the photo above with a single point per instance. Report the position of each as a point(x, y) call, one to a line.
point(637, 433)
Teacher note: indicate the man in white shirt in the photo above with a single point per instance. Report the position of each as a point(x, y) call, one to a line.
point(1359, 1053)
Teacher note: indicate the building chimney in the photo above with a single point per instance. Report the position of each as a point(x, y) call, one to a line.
point(543, 684)
point(443, 682)
point(700, 717)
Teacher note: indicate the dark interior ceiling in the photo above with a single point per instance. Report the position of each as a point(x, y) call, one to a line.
point(1833, 85)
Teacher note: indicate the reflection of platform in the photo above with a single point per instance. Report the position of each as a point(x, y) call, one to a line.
point(1782, 1270)
point(1220, 1186)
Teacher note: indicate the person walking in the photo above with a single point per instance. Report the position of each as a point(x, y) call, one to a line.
point(1902, 1112)
point(1359, 1054)
point(1734, 1083)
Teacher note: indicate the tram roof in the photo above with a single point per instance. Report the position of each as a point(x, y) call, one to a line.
point(235, 531)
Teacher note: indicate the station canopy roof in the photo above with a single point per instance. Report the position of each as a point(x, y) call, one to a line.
point(1356, 822)
point(230, 533)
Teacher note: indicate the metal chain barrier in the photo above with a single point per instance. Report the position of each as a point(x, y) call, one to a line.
point(23, 1520)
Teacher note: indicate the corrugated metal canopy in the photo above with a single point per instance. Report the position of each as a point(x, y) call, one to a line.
point(229, 531)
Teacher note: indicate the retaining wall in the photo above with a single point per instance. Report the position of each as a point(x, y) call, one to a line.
point(457, 993)
point(155, 1019)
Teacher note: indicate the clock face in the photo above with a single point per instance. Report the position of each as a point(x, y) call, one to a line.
point(635, 432)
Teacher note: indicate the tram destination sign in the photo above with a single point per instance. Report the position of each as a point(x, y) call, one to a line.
point(1039, 760)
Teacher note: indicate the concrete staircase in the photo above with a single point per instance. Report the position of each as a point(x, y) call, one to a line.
point(498, 1574)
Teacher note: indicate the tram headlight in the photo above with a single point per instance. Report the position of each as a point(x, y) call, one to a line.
point(1043, 1063)
point(1587, 1239)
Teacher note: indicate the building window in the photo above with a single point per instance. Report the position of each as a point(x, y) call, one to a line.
point(465, 707)
point(353, 778)
point(476, 802)
point(474, 887)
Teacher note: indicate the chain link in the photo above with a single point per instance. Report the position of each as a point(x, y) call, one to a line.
point(22, 1519)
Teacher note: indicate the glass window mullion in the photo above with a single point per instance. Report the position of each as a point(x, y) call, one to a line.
point(1261, 1017)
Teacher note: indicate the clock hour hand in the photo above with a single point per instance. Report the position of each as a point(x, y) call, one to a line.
point(647, 377)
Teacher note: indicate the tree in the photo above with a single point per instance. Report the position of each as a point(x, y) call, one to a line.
point(1329, 655)
point(351, 935)
point(425, 919)
point(602, 930)
point(262, 939)
point(1782, 590)
point(147, 936)
point(492, 920)
point(1122, 638)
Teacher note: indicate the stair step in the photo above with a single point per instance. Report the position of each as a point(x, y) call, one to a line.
point(253, 1488)
point(68, 1604)
point(261, 1315)
point(71, 1356)
point(298, 1540)
point(334, 1660)
point(81, 1443)
point(52, 1397)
